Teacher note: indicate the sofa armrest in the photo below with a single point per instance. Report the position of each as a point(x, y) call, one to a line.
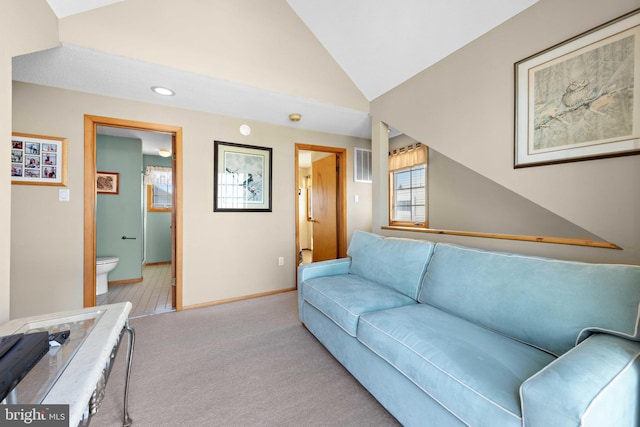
point(319, 269)
point(594, 384)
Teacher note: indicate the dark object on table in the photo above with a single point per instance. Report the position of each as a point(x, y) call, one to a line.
point(20, 353)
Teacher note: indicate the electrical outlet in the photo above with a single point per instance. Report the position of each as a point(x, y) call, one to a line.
point(281, 261)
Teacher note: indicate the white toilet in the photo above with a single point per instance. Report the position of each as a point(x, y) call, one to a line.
point(103, 266)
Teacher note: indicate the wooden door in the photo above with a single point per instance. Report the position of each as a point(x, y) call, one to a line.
point(324, 184)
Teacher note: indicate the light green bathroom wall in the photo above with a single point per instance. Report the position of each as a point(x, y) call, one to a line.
point(120, 214)
point(157, 225)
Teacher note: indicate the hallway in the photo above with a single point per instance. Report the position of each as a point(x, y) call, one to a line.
point(151, 296)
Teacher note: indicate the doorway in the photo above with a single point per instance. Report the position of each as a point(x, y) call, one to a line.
point(91, 126)
point(329, 238)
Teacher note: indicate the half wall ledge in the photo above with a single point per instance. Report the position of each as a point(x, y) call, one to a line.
point(540, 239)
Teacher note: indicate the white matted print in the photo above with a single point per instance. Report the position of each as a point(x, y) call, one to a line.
point(242, 178)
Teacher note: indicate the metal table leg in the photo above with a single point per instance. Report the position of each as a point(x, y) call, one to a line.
point(126, 420)
point(99, 392)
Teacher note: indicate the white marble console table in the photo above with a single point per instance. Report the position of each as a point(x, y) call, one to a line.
point(76, 372)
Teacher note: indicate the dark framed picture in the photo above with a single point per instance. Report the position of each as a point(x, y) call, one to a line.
point(241, 178)
point(107, 182)
point(38, 160)
point(580, 99)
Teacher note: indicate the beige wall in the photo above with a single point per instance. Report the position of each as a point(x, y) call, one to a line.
point(226, 255)
point(461, 199)
point(463, 107)
point(5, 182)
point(38, 29)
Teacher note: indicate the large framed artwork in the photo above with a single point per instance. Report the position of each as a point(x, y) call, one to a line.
point(241, 178)
point(580, 99)
point(38, 160)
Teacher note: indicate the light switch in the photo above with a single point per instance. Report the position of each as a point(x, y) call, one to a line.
point(63, 194)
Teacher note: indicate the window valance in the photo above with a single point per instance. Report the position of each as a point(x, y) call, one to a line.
point(407, 157)
point(155, 175)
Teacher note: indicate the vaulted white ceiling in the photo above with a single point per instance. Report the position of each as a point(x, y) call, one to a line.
point(258, 60)
point(381, 44)
point(63, 8)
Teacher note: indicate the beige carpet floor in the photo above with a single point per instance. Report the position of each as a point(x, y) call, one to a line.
point(247, 363)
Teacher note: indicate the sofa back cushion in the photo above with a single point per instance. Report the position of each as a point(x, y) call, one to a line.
point(550, 304)
point(393, 262)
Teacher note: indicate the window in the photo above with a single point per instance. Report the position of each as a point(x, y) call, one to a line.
point(408, 186)
point(409, 195)
point(159, 189)
point(159, 197)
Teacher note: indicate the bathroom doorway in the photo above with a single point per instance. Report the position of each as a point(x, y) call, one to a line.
point(174, 269)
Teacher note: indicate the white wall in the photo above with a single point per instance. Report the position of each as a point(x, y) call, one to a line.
point(226, 255)
point(463, 107)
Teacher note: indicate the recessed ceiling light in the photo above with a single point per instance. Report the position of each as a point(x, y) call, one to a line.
point(162, 91)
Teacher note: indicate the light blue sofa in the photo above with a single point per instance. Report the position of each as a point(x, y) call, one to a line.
point(443, 335)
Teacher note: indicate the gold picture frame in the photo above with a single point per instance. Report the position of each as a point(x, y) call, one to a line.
point(38, 160)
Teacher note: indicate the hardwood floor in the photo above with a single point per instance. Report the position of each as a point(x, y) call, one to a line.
point(151, 296)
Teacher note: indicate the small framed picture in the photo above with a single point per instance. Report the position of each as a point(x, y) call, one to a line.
point(107, 182)
point(38, 160)
point(241, 178)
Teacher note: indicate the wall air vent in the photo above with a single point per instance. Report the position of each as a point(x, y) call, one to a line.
point(362, 165)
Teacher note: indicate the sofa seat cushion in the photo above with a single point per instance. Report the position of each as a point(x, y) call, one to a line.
point(345, 297)
point(473, 372)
